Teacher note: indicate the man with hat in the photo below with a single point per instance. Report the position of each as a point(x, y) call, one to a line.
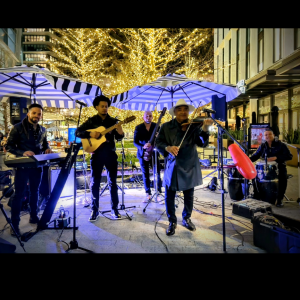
point(182, 167)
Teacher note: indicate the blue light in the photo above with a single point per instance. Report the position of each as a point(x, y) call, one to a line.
point(71, 135)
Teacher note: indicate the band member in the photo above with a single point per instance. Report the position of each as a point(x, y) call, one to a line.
point(27, 138)
point(105, 155)
point(278, 152)
point(182, 171)
point(142, 135)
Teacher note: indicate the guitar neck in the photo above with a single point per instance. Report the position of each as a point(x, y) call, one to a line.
point(111, 128)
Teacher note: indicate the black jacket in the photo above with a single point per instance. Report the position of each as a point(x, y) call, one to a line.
point(182, 172)
point(21, 139)
point(142, 137)
point(278, 149)
point(95, 122)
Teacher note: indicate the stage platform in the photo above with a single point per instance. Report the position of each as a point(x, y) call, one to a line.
point(138, 235)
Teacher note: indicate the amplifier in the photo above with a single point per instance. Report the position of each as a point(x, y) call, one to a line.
point(247, 208)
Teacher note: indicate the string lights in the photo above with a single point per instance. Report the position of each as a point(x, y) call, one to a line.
point(118, 59)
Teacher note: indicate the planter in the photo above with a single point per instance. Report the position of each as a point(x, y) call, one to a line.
point(294, 161)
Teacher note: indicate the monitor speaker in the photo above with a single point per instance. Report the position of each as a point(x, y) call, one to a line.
point(220, 106)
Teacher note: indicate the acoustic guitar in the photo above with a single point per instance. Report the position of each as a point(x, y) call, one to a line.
point(91, 144)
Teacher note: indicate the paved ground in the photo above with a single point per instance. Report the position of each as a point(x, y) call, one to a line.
point(138, 235)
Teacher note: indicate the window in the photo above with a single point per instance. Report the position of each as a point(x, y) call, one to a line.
point(8, 35)
point(277, 33)
point(247, 53)
point(35, 47)
point(260, 49)
point(223, 65)
point(297, 37)
point(264, 105)
point(34, 29)
point(281, 100)
point(229, 68)
point(237, 54)
point(34, 57)
point(34, 38)
point(296, 97)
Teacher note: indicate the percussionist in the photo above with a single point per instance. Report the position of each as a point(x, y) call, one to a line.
point(278, 152)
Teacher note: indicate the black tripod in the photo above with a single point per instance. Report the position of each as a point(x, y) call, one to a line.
point(8, 220)
point(155, 177)
point(74, 243)
point(122, 206)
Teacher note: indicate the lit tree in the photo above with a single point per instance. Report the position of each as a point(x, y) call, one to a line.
point(82, 53)
point(153, 52)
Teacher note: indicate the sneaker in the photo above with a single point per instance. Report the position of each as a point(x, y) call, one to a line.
point(94, 216)
point(115, 214)
point(147, 198)
point(34, 219)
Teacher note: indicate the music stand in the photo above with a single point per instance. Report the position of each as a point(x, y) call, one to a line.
point(122, 206)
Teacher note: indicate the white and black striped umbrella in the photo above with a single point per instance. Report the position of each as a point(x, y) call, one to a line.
point(45, 87)
point(167, 90)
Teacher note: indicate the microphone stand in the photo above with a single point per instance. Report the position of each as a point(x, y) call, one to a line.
point(122, 206)
point(74, 242)
point(221, 131)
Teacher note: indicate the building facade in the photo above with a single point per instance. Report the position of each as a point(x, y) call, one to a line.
point(268, 59)
point(37, 45)
point(10, 47)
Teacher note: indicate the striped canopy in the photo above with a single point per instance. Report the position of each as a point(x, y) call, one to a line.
point(45, 87)
point(167, 90)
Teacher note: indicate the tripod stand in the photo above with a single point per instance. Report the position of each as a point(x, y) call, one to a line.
point(8, 220)
point(122, 206)
point(74, 243)
point(155, 179)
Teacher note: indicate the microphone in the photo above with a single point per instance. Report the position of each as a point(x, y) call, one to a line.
point(81, 103)
point(209, 110)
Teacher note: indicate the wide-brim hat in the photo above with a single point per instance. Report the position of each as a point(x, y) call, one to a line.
point(181, 102)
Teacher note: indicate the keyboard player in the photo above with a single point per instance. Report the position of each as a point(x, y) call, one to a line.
point(27, 138)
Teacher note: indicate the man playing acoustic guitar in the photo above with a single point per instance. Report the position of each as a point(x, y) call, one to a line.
point(105, 155)
point(142, 135)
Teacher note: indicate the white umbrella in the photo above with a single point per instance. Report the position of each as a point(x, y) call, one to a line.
point(45, 87)
point(167, 90)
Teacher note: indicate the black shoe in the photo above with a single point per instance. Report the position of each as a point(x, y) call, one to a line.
point(17, 231)
point(34, 219)
point(188, 224)
point(280, 204)
point(171, 229)
point(115, 214)
point(94, 216)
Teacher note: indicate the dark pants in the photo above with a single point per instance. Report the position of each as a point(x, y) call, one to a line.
point(170, 204)
point(98, 161)
point(282, 183)
point(34, 175)
point(146, 176)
